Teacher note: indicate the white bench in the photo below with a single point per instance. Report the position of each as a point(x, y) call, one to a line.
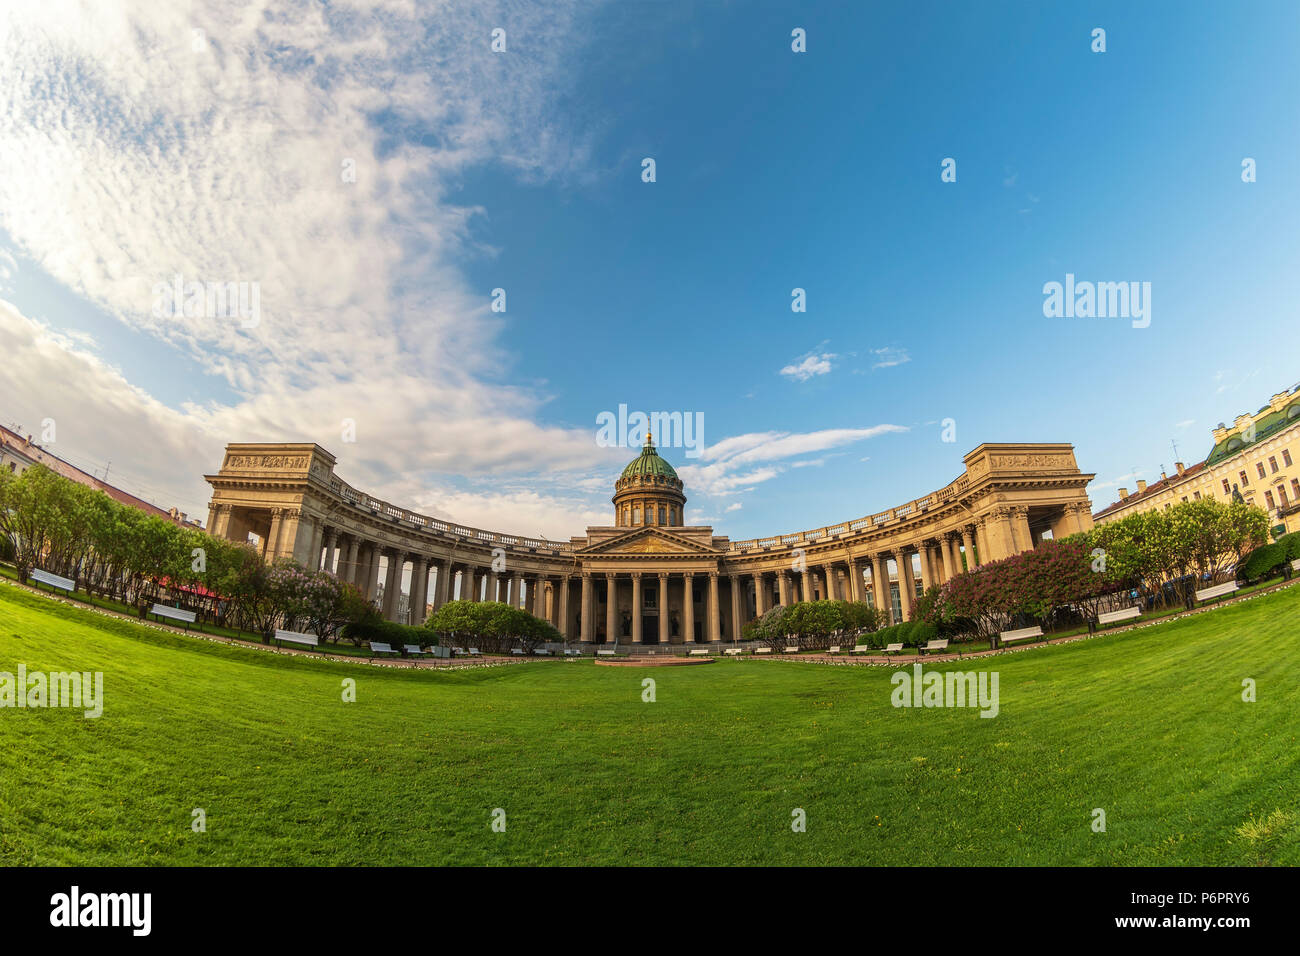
point(473, 652)
point(53, 580)
point(1295, 565)
point(1024, 634)
point(762, 650)
point(604, 652)
point(413, 650)
point(734, 651)
point(833, 649)
point(175, 613)
point(699, 652)
point(377, 647)
point(1217, 591)
point(572, 652)
point(1125, 614)
point(790, 649)
point(935, 646)
point(296, 637)
point(861, 649)
point(460, 651)
point(542, 652)
point(893, 648)
point(517, 651)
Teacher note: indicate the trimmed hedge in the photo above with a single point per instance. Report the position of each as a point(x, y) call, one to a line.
point(1263, 562)
point(911, 633)
point(388, 632)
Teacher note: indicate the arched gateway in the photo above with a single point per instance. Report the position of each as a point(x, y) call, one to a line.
point(670, 583)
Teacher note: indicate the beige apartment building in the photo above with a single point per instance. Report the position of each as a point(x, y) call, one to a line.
point(1259, 456)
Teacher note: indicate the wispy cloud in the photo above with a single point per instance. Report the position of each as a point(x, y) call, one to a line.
point(809, 366)
point(889, 356)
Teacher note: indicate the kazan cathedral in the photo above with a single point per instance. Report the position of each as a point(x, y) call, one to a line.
point(648, 578)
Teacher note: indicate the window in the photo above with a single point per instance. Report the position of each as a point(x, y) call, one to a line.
point(1244, 480)
point(661, 515)
point(1268, 496)
point(1259, 468)
point(1196, 496)
point(1227, 488)
point(1295, 487)
point(1272, 464)
point(1286, 457)
point(1281, 495)
point(636, 515)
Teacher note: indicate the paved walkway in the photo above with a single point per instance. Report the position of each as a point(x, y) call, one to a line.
point(459, 663)
point(880, 660)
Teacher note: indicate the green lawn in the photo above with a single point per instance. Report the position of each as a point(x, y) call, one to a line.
point(1149, 726)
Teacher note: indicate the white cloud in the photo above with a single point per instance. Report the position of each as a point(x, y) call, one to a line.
point(889, 356)
point(809, 367)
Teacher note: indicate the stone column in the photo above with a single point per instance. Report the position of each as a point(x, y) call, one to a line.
point(807, 585)
point(372, 574)
point(715, 609)
point(736, 607)
point(927, 573)
point(759, 596)
point(419, 588)
point(584, 629)
point(444, 583)
point(611, 609)
point(982, 541)
point(880, 585)
point(688, 609)
point(783, 588)
point(665, 637)
point(855, 581)
point(969, 542)
point(317, 535)
point(272, 549)
point(564, 607)
point(392, 585)
point(1020, 527)
point(832, 586)
point(906, 583)
point(330, 537)
point(348, 570)
point(637, 602)
point(946, 554)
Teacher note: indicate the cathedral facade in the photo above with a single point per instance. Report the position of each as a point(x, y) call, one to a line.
point(646, 578)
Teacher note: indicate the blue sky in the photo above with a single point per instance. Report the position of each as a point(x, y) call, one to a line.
point(522, 170)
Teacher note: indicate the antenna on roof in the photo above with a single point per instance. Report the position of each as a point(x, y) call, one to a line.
point(1175, 447)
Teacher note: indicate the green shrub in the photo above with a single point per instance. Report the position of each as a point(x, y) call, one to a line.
point(1290, 545)
point(388, 632)
point(1262, 562)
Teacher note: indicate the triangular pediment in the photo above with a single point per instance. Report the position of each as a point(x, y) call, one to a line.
point(649, 541)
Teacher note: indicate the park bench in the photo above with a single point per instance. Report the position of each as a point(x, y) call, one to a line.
point(861, 649)
point(699, 652)
point(542, 652)
point(517, 652)
point(296, 637)
point(762, 650)
point(1295, 565)
point(833, 649)
point(893, 648)
point(572, 652)
point(459, 651)
point(1217, 591)
point(413, 650)
point(53, 580)
point(1125, 614)
point(734, 651)
point(790, 649)
point(1024, 634)
point(175, 613)
point(934, 646)
point(376, 647)
point(473, 652)
point(604, 652)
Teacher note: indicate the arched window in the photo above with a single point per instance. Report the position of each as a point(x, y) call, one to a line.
point(636, 514)
point(661, 515)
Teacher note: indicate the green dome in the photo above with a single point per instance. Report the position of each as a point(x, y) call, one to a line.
point(649, 465)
